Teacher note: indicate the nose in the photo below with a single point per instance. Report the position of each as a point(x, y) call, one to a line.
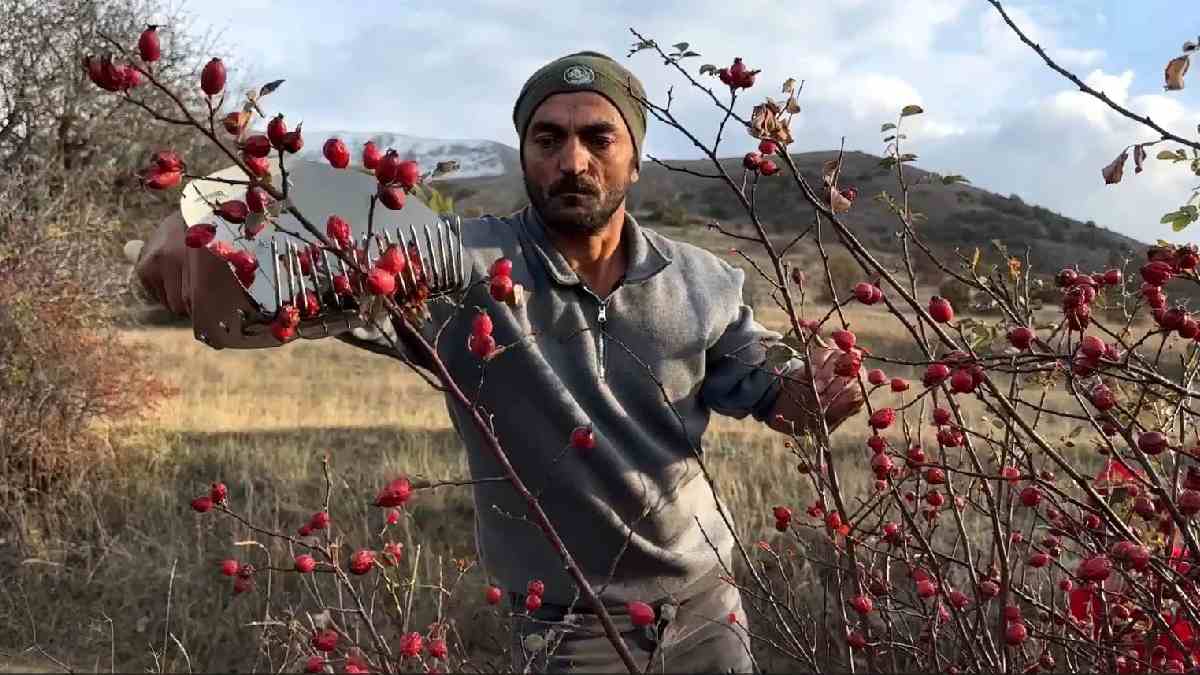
point(573, 159)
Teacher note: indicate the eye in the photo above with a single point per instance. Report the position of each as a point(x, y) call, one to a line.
point(545, 142)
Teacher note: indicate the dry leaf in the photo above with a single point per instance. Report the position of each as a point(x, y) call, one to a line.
point(1014, 268)
point(1114, 171)
point(829, 171)
point(789, 85)
point(1139, 156)
point(1174, 73)
point(765, 123)
point(792, 106)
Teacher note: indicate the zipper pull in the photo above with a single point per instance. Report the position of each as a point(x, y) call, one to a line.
point(603, 312)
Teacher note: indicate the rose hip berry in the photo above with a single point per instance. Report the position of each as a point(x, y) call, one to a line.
point(202, 504)
point(1031, 496)
point(862, 604)
point(481, 346)
point(640, 613)
point(532, 602)
point(500, 288)
point(305, 563)
point(492, 595)
point(371, 155)
point(844, 339)
point(230, 567)
point(148, 45)
point(395, 493)
point(940, 309)
point(392, 197)
point(212, 78)
point(325, 640)
point(199, 235)
point(362, 561)
point(882, 418)
point(501, 268)
point(336, 153)
point(381, 282)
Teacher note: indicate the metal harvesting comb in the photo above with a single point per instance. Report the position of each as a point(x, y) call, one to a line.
point(236, 314)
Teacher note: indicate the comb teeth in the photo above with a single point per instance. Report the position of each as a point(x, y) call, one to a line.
point(439, 255)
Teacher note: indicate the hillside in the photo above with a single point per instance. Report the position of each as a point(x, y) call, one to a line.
point(958, 216)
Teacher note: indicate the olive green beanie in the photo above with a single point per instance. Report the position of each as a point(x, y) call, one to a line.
point(585, 71)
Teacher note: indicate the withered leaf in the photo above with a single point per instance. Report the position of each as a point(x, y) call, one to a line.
point(708, 69)
point(829, 171)
point(1116, 169)
point(911, 110)
point(792, 107)
point(269, 87)
point(789, 85)
point(1139, 156)
point(766, 124)
point(1189, 47)
point(1174, 72)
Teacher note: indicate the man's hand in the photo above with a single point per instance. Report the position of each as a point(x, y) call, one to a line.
point(840, 397)
point(163, 266)
point(193, 282)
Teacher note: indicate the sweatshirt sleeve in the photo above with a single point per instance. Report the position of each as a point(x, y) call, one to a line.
point(737, 380)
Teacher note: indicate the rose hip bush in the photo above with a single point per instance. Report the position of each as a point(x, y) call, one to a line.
point(987, 539)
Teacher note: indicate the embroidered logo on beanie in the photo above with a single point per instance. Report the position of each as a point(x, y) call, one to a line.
point(579, 75)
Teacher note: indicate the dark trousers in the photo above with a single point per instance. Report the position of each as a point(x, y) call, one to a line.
point(699, 639)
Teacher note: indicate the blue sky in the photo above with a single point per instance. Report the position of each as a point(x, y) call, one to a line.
point(994, 111)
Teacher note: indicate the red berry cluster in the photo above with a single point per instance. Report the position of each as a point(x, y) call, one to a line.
point(758, 160)
point(1079, 290)
point(362, 561)
point(480, 342)
point(501, 284)
point(737, 76)
point(867, 294)
point(783, 518)
point(396, 178)
point(164, 171)
point(319, 521)
point(216, 495)
point(533, 595)
point(110, 76)
point(242, 573)
point(395, 493)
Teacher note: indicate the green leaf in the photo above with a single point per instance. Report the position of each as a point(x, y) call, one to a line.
point(269, 87)
point(1166, 154)
point(886, 127)
point(708, 69)
point(680, 46)
point(907, 157)
point(887, 162)
point(954, 178)
point(687, 54)
point(889, 138)
point(911, 110)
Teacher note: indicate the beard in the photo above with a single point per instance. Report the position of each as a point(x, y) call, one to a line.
point(586, 213)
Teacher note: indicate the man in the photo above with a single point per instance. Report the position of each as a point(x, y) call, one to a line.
point(616, 317)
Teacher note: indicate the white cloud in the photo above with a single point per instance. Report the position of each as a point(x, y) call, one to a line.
point(994, 112)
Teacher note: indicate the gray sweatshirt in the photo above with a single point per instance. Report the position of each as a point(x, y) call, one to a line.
point(679, 311)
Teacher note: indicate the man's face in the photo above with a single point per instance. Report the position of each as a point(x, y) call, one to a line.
point(579, 162)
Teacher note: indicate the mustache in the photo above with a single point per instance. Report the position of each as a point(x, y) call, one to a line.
point(581, 187)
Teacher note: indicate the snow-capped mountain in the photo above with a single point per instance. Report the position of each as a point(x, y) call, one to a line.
point(476, 158)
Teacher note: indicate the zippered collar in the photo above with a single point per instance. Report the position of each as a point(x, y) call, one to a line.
point(645, 258)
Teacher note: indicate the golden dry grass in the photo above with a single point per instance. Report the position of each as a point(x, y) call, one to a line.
point(261, 421)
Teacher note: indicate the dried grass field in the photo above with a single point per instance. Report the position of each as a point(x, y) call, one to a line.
point(262, 422)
